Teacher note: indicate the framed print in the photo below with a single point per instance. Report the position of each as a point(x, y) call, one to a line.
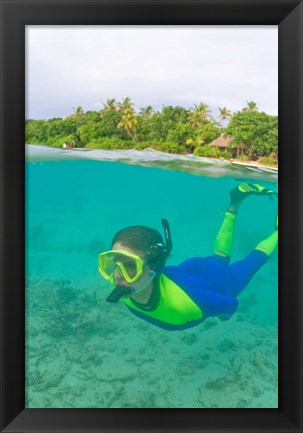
point(70, 361)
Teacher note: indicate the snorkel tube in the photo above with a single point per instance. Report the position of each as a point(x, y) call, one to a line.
point(118, 293)
point(168, 241)
point(121, 291)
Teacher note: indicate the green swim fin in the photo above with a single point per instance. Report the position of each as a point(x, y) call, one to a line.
point(244, 189)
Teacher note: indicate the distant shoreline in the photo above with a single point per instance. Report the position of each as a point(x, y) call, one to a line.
point(190, 163)
point(250, 164)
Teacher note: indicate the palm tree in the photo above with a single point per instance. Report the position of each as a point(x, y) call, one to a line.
point(129, 123)
point(128, 120)
point(224, 114)
point(125, 104)
point(109, 105)
point(78, 113)
point(198, 115)
point(251, 106)
point(147, 112)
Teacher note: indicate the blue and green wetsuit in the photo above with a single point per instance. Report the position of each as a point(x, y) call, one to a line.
point(187, 294)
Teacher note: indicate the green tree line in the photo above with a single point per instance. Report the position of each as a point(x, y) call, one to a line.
point(174, 129)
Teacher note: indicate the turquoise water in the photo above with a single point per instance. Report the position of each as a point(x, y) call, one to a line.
point(82, 351)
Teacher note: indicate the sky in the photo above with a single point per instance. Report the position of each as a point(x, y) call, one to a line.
point(221, 66)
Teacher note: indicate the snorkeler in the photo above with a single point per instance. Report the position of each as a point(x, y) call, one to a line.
point(183, 296)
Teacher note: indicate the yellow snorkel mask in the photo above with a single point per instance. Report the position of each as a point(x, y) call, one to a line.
point(132, 267)
point(128, 264)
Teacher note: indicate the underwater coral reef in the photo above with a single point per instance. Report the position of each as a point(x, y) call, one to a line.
point(81, 353)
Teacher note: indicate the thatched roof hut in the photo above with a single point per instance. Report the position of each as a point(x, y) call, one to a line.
point(222, 142)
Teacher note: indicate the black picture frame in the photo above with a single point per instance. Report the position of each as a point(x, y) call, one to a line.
point(15, 15)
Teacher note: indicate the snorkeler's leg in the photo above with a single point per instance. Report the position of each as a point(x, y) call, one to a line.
point(244, 270)
point(225, 237)
point(269, 244)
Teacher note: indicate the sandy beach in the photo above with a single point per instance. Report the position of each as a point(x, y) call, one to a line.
point(248, 163)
